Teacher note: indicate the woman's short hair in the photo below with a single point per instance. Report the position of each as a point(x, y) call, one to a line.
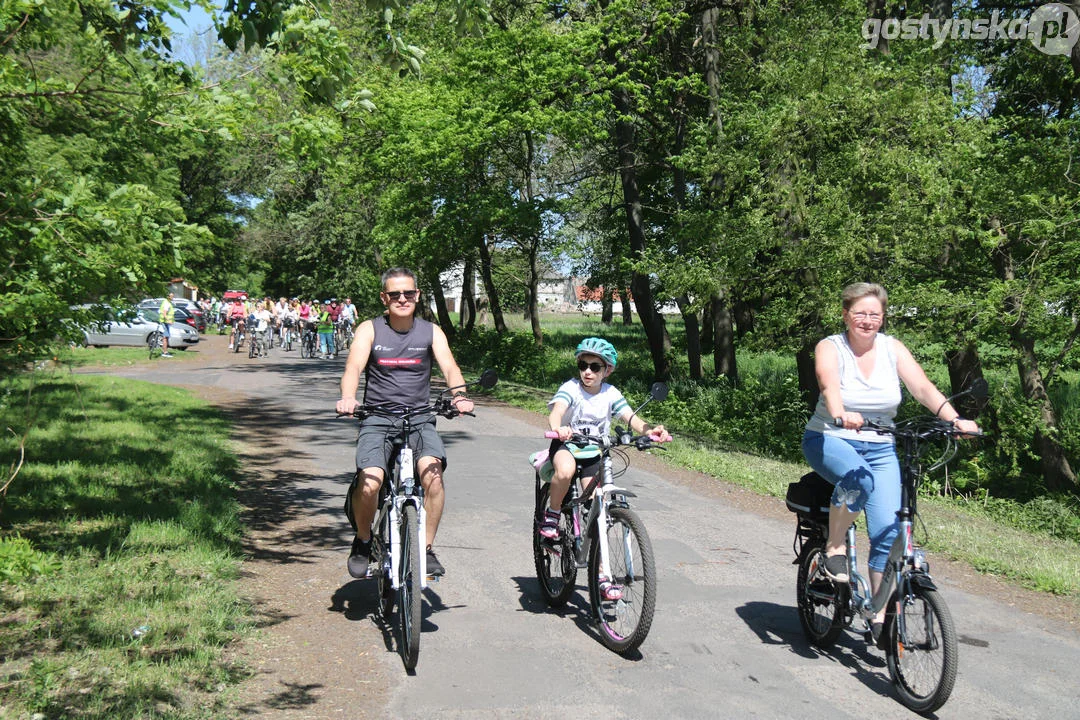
point(857, 291)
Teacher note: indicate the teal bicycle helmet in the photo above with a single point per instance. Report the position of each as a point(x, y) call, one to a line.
point(599, 347)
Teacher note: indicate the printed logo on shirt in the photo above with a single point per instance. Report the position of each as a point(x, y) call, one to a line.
point(393, 362)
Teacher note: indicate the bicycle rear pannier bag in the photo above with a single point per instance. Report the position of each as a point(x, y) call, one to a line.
point(810, 496)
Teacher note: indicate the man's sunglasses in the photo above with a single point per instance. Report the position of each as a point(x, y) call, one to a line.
point(594, 366)
point(410, 295)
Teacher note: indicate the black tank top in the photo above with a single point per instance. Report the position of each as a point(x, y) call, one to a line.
point(399, 367)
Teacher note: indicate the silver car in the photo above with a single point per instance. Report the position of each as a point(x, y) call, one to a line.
point(129, 327)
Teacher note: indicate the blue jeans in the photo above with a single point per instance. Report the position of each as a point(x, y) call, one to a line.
point(866, 476)
point(326, 343)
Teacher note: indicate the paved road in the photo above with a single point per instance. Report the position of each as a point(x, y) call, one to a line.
point(726, 641)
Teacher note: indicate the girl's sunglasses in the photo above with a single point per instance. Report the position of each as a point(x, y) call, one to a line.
point(410, 295)
point(594, 366)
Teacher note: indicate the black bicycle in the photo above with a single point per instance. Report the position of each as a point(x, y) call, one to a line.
point(309, 341)
point(919, 637)
point(397, 559)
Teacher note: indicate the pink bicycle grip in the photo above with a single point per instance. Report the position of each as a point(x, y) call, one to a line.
point(551, 434)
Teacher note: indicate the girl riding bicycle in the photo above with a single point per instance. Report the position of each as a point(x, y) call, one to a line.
point(585, 405)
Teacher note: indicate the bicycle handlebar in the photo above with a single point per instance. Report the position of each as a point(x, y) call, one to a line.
point(641, 442)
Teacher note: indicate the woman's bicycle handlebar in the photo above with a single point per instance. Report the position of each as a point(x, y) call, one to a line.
point(918, 428)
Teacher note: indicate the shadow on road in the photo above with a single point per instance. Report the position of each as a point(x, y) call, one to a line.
point(779, 625)
point(576, 608)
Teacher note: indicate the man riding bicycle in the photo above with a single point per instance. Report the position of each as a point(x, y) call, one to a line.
point(395, 351)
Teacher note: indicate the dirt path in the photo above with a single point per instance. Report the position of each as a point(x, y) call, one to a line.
point(292, 552)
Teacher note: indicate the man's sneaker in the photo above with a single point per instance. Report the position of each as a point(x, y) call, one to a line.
point(166, 354)
point(548, 525)
point(359, 557)
point(836, 568)
point(434, 567)
point(609, 590)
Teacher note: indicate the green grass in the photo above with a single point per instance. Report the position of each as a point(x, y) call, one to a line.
point(119, 594)
point(114, 357)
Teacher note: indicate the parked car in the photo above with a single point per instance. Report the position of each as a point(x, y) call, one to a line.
point(133, 328)
point(186, 311)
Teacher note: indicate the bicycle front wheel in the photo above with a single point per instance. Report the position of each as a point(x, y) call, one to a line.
point(409, 590)
point(821, 601)
point(556, 567)
point(921, 649)
point(624, 622)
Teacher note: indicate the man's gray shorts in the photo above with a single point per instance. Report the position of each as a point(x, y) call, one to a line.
point(375, 446)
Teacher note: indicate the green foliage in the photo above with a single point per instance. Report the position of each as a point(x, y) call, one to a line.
point(19, 561)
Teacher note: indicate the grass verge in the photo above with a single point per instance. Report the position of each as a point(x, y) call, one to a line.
point(119, 549)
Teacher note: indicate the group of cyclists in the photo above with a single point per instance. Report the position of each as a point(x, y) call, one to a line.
point(285, 320)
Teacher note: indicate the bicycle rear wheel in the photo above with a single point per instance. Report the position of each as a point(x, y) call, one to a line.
point(821, 601)
point(624, 623)
point(154, 344)
point(556, 567)
point(409, 589)
point(922, 656)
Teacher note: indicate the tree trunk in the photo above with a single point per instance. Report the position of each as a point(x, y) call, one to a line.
point(532, 311)
point(443, 314)
point(804, 365)
point(693, 336)
point(965, 367)
point(467, 316)
point(707, 324)
point(489, 285)
point(607, 304)
point(1057, 473)
point(651, 319)
point(627, 310)
point(723, 339)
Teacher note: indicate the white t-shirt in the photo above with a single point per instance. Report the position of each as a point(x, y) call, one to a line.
point(348, 312)
point(876, 397)
point(263, 316)
point(590, 414)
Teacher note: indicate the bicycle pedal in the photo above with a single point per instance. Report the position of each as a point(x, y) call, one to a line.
point(434, 578)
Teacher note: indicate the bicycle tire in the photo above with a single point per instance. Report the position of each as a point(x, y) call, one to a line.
point(154, 343)
point(556, 567)
point(409, 588)
point(923, 664)
point(381, 552)
point(624, 623)
point(822, 602)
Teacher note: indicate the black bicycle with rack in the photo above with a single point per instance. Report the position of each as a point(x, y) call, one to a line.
point(397, 559)
point(918, 637)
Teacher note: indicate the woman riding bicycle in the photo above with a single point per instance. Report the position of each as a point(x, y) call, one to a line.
point(859, 373)
point(585, 405)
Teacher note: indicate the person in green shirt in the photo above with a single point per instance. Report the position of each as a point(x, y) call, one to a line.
point(325, 328)
point(166, 315)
